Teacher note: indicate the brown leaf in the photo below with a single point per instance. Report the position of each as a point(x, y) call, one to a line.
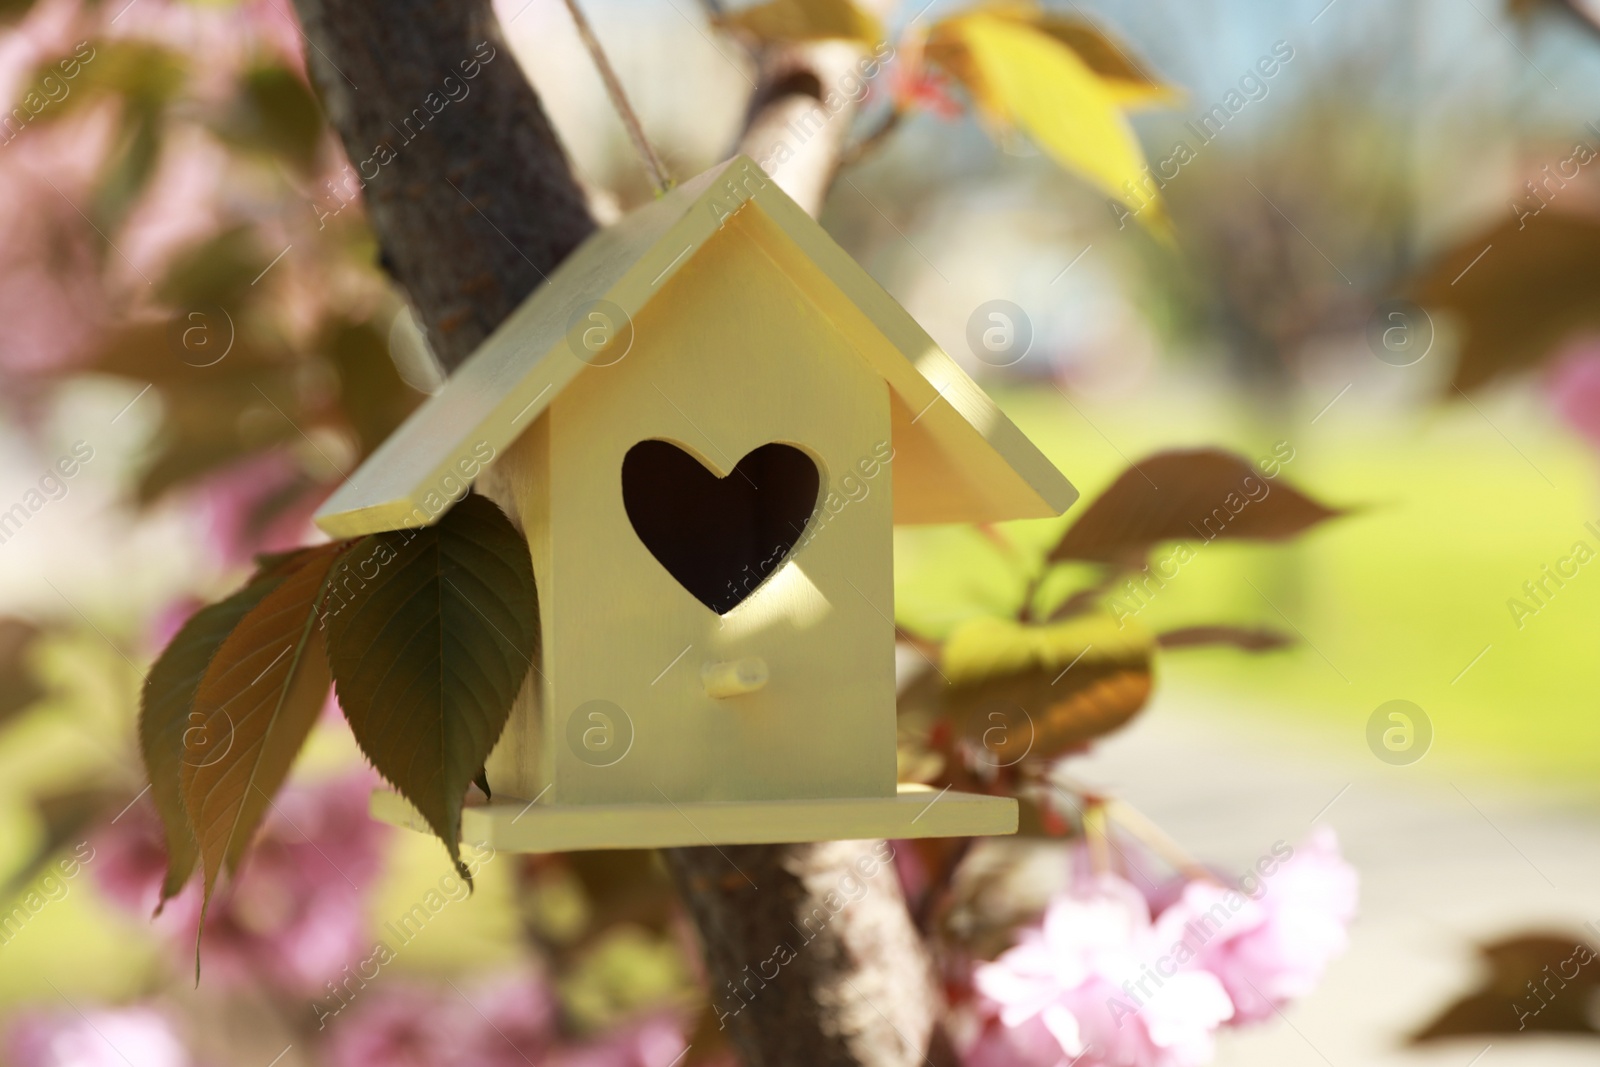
point(1202, 495)
point(1239, 637)
point(255, 705)
point(1535, 983)
point(170, 734)
point(1531, 289)
point(1581, 10)
point(1040, 714)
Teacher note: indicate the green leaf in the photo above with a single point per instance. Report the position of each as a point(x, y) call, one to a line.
point(218, 270)
point(19, 687)
point(985, 648)
point(430, 635)
point(64, 817)
point(275, 113)
point(166, 715)
point(254, 707)
point(129, 171)
point(372, 394)
point(1198, 495)
point(144, 74)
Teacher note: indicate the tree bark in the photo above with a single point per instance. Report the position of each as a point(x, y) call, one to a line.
point(471, 213)
point(813, 961)
point(473, 206)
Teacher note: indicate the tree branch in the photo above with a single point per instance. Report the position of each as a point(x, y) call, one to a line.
point(788, 131)
point(475, 207)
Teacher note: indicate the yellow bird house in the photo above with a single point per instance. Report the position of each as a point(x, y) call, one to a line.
point(707, 423)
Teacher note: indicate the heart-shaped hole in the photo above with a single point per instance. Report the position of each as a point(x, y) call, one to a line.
point(719, 537)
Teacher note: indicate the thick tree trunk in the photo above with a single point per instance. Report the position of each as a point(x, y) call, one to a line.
point(813, 958)
point(471, 213)
point(473, 206)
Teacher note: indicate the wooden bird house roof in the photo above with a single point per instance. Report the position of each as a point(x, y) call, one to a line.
point(957, 457)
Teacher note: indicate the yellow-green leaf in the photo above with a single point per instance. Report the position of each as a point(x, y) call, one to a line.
point(983, 648)
point(1021, 691)
point(1128, 82)
point(806, 20)
point(1024, 78)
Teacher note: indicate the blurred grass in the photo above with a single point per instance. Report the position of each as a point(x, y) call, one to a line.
point(1456, 506)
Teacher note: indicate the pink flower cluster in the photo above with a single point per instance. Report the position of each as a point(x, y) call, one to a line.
point(1574, 386)
point(98, 1038)
point(507, 1020)
point(1104, 982)
point(296, 913)
point(504, 1021)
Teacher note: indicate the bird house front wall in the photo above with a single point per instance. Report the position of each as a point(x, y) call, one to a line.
point(728, 358)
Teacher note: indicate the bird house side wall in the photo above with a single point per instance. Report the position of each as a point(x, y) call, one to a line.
point(519, 481)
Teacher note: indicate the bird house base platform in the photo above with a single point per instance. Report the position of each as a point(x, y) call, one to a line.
point(518, 826)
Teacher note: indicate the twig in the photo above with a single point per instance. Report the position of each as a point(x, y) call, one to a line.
point(854, 152)
point(1085, 598)
point(1097, 833)
point(1159, 841)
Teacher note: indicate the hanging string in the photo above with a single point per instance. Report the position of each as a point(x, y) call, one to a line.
point(619, 100)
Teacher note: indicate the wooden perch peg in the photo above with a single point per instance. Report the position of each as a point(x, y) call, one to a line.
point(735, 678)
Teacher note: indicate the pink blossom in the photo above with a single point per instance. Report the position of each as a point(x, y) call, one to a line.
point(166, 623)
point(516, 1016)
point(180, 209)
point(1084, 987)
point(294, 916)
point(1272, 946)
point(504, 1020)
point(232, 500)
point(1574, 387)
point(654, 1041)
point(51, 294)
point(97, 1038)
point(400, 1026)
